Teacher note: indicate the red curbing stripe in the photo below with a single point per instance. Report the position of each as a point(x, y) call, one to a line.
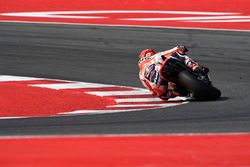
point(21, 100)
point(233, 16)
point(161, 150)
point(32, 97)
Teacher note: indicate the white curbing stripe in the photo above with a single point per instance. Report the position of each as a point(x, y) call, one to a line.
point(138, 100)
point(95, 111)
point(75, 85)
point(8, 78)
point(64, 14)
point(118, 93)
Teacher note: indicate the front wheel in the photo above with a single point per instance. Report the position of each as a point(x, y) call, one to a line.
point(200, 90)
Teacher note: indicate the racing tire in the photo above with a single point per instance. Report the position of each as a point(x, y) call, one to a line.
point(199, 89)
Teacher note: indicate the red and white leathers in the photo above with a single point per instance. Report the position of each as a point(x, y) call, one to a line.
point(150, 65)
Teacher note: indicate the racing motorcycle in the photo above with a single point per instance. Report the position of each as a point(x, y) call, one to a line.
point(188, 82)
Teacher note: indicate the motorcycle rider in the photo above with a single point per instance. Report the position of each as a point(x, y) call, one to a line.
point(150, 64)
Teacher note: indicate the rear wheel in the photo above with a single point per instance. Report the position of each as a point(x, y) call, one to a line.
point(199, 89)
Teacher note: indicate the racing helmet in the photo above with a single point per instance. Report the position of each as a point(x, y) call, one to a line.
point(182, 49)
point(146, 53)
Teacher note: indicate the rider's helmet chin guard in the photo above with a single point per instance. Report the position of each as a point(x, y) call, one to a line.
point(146, 53)
point(182, 49)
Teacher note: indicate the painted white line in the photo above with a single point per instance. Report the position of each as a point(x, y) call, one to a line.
point(51, 15)
point(138, 100)
point(63, 14)
point(96, 111)
point(126, 135)
point(13, 117)
point(142, 105)
point(125, 25)
point(75, 85)
point(7, 78)
point(118, 93)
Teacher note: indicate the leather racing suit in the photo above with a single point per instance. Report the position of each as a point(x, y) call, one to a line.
point(150, 65)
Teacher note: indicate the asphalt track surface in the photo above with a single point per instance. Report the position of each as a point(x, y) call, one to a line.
point(109, 55)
